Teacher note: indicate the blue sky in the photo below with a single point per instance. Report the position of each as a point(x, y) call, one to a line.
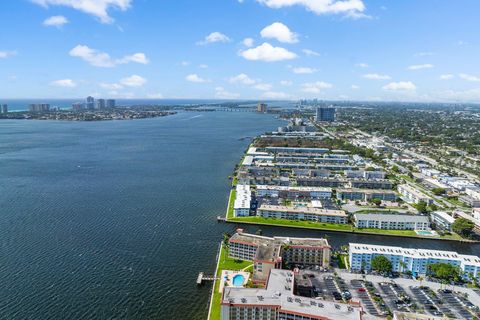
point(407, 50)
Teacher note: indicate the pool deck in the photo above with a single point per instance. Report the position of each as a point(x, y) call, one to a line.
point(229, 274)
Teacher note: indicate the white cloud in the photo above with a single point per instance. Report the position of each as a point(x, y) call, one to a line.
point(316, 87)
point(111, 86)
point(376, 76)
point(310, 53)
point(275, 95)
point(362, 65)
point(420, 66)
point(355, 87)
point(6, 54)
point(195, 78)
point(203, 66)
point(350, 7)
point(55, 21)
point(279, 31)
point(214, 37)
point(304, 70)
point(133, 81)
point(97, 8)
point(400, 86)
point(469, 77)
point(248, 42)
point(267, 52)
point(286, 83)
point(263, 86)
point(102, 59)
point(446, 76)
point(185, 63)
point(66, 83)
point(243, 79)
point(221, 93)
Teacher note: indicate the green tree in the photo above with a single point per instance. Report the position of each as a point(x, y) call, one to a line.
point(376, 201)
point(444, 271)
point(438, 191)
point(421, 206)
point(381, 264)
point(396, 169)
point(463, 227)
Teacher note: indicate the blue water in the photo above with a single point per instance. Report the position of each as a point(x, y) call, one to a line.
point(114, 220)
point(238, 280)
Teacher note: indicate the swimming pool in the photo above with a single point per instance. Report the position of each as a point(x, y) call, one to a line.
point(238, 280)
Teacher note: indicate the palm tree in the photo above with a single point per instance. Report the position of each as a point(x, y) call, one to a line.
point(403, 265)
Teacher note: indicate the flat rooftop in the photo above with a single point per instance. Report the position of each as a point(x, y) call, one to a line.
point(391, 217)
point(304, 210)
point(279, 293)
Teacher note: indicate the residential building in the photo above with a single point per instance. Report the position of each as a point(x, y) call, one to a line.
point(270, 253)
point(391, 221)
point(413, 195)
point(288, 192)
point(364, 174)
point(413, 260)
point(243, 199)
point(90, 103)
point(78, 106)
point(277, 302)
point(302, 213)
point(442, 220)
point(366, 194)
point(326, 114)
point(101, 104)
point(39, 107)
point(473, 192)
point(261, 107)
point(370, 184)
point(4, 109)
point(110, 103)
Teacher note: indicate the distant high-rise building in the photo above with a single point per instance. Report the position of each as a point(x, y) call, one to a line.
point(39, 107)
point(261, 107)
point(4, 109)
point(101, 104)
point(326, 114)
point(78, 106)
point(110, 103)
point(90, 103)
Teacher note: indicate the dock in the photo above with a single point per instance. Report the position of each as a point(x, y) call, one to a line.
point(221, 219)
point(201, 278)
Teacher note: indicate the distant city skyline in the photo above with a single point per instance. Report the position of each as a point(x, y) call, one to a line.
point(361, 50)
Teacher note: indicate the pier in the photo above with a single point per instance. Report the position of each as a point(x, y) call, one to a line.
point(202, 277)
point(221, 219)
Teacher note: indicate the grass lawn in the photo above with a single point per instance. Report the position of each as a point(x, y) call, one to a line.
point(225, 263)
point(293, 223)
point(231, 202)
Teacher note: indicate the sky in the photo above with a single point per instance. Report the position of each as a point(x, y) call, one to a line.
point(370, 50)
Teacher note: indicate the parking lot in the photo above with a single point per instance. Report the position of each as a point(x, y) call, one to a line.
point(382, 298)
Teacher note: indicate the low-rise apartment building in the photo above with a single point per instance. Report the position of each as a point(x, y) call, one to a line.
point(243, 199)
point(413, 260)
point(294, 192)
point(269, 253)
point(442, 220)
point(413, 195)
point(364, 174)
point(302, 213)
point(391, 221)
point(277, 302)
point(366, 194)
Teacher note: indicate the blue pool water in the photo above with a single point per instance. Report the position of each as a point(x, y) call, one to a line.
point(238, 280)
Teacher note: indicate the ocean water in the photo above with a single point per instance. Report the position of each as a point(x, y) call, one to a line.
point(114, 219)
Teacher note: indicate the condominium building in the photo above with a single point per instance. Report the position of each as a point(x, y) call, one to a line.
point(326, 114)
point(391, 221)
point(261, 107)
point(270, 253)
point(277, 302)
point(370, 184)
point(313, 151)
point(302, 213)
point(442, 220)
point(110, 103)
point(365, 194)
point(101, 104)
point(364, 174)
point(39, 107)
point(4, 109)
point(413, 260)
point(90, 103)
point(293, 192)
point(243, 199)
point(413, 195)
